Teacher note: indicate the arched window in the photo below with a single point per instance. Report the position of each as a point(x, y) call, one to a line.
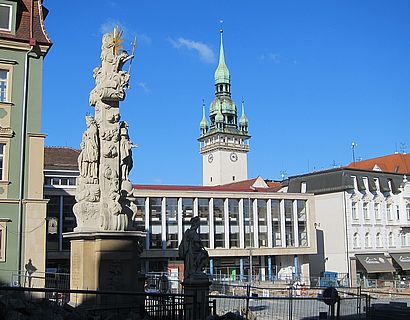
point(378, 240)
point(391, 239)
point(367, 240)
point(356, 242)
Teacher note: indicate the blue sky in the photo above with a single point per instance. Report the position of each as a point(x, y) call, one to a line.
point(315, 76)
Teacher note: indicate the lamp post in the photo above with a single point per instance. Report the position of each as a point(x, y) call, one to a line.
point(250, 240)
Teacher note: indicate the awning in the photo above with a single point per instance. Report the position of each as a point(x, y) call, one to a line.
point(375, 263)
point(402, 259)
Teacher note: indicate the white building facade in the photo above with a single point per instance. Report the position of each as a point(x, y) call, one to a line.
point(362, 222)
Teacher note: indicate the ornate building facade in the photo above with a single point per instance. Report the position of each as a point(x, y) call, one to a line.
point(24, 44)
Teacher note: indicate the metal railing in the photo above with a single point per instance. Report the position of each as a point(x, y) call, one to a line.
point(287, 303)
point(17, 302)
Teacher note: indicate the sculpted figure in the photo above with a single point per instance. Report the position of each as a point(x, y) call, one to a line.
point(193, 252)
point(125, 151)
point(88, 158)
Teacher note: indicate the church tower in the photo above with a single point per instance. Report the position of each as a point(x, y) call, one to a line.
point(223, 142)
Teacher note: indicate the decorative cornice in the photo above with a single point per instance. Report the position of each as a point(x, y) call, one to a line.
point(6, 133)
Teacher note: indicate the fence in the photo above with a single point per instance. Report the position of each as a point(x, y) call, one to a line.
point(287, 303)
point(19, 302)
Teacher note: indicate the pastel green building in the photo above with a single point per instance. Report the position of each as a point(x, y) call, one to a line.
point(23, 46)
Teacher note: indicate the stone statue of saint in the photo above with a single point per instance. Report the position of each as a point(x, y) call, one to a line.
point(193, 252)
point(125, 151)
point(88, 158)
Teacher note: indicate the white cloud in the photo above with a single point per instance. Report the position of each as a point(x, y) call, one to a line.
point(143, 38)
point(205, 52)
point(110, 24)
point(271, 56)
point(144, 87)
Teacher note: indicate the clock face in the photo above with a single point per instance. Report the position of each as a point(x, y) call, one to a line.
point(210, 158)
point(233, 157)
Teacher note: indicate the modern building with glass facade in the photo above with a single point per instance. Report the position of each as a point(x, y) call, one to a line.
point(239, 222)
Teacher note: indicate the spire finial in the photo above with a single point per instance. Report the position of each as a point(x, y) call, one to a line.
point(221, 30)
point(222, 72)
point(203, 108)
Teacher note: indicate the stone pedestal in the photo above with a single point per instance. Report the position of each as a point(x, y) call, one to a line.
point(198, 301)
point(106, 261)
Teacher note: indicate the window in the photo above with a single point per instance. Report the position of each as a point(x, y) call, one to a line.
point(354, 211)
point(366, 211)
point(3, 232)
point(356, 240)
point(219, 223)
point(139, 218)
point(403, 239)
point(155, 208)
point(3, 84)
point(398, 212)
point(377, 211)
point(2, 147)
point(389, 212)
point(302, 225)
point(391, 239)
point(367, 240)
point(248, 224)
point(5, 17)
point(303, 187)
point(262, 223)
point(408, 211)
point(289, 223)
point(276, 234)
point(171, 210)
point(187, 212)
point(378, 240)
point(233, 208)
point(203, 213)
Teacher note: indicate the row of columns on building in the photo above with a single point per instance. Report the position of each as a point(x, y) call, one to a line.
point(254, 221)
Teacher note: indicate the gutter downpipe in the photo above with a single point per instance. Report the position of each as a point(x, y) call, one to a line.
point(347, 240)
point(23, 147)
point(22, 160)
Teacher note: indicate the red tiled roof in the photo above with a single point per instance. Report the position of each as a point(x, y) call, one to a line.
point(240, 186)
point(396, 163)
point(61, 158)
point(23, 23)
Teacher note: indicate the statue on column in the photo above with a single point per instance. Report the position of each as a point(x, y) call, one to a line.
point(106, 158)
point(193, 252)
point(88, 158)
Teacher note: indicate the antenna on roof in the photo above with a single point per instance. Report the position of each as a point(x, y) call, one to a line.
point(354, 146)
point(403, 147)
point(283, 174)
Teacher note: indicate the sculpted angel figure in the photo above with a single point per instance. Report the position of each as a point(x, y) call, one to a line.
point(125, 151)
point(88, 158)
point(193, 252)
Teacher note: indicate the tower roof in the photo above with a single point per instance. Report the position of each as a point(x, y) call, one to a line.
point(243, 121)
point(204, 122)
point(222, 73)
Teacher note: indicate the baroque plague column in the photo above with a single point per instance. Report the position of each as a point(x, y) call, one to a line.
point(104, 247)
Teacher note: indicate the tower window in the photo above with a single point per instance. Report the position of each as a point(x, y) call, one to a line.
point(233, 178)
point(221, 88)
point(211, 179)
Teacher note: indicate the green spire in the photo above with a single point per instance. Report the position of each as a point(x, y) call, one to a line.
point(222, 73)
point(243, 121)
point(204, 122)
